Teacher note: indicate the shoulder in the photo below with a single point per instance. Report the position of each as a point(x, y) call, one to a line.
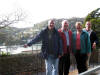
point(55, 30)
point(43, 31)
point(74, 32)
point(59, 30)
point(84, 31)
point(93, 32)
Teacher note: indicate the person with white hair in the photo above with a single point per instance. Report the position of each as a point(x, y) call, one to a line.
point(81, 47)
point(66, 36)
point(51, 47)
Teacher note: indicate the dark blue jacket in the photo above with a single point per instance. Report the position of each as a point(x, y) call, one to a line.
point(43, 36)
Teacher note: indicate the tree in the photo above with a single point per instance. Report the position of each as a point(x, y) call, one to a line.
point(94, 17)
point(12, 18)
point(5, 22)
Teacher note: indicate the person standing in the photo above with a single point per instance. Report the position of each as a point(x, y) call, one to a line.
point(51, 47)
point(81, 47)
point(93, 38)
point(66, 36)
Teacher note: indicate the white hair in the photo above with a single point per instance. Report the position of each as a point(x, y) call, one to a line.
point(64, 22)
point(50, 21)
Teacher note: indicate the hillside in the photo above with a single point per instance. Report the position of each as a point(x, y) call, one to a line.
point(13, 35)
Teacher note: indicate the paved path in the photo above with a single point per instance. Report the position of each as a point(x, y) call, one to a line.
point(71, 73)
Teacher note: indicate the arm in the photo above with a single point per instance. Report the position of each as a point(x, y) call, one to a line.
point(60, 46)
point(88, 44)
point(36, 39)
point(95, 38)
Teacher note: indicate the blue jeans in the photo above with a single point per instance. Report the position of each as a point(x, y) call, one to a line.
point(51, 66)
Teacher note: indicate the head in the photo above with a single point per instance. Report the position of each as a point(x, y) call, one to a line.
point(65, 25)
point(88, 25)
point(78, 26)
point(51, 24)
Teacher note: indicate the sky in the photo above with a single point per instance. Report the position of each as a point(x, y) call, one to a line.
point(40, 10)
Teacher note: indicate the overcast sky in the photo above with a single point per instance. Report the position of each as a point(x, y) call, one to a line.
point(40, 10)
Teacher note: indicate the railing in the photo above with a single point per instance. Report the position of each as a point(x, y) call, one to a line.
point(31, 59)
point(90, 71)
point(7, 50)
point(40, 61)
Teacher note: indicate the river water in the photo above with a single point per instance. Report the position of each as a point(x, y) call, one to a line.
point(18, 49)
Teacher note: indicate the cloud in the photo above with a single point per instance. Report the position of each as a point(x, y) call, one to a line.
point(39, 10)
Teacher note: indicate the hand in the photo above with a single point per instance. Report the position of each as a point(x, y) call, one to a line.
point(88, 54)
point(59, 56)
point(25, 46)
point(94, 45)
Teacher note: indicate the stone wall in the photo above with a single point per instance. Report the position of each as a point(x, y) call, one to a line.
point(31, 63)
point(21, 63)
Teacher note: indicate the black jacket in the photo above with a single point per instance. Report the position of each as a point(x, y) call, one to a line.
point(43, 36)
point(93, 38)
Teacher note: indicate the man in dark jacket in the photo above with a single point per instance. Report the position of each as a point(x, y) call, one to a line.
point(51, 47)
point(93, 38)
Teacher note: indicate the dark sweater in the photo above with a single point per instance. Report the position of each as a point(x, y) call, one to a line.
point(57, 43)
point(93, 38)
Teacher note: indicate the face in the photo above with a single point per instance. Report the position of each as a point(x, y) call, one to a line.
point(65, 25)
point(51, 24)
point(88, 25)
point(78, 27)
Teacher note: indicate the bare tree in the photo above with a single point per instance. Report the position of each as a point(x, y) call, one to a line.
point(11, 19)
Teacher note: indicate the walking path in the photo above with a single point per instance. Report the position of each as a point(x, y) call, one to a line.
point(71, 73)
point(74, 71)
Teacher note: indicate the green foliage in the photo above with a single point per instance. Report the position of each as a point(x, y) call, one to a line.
point(94, 17)
point(88, 17)
point(5, 53)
